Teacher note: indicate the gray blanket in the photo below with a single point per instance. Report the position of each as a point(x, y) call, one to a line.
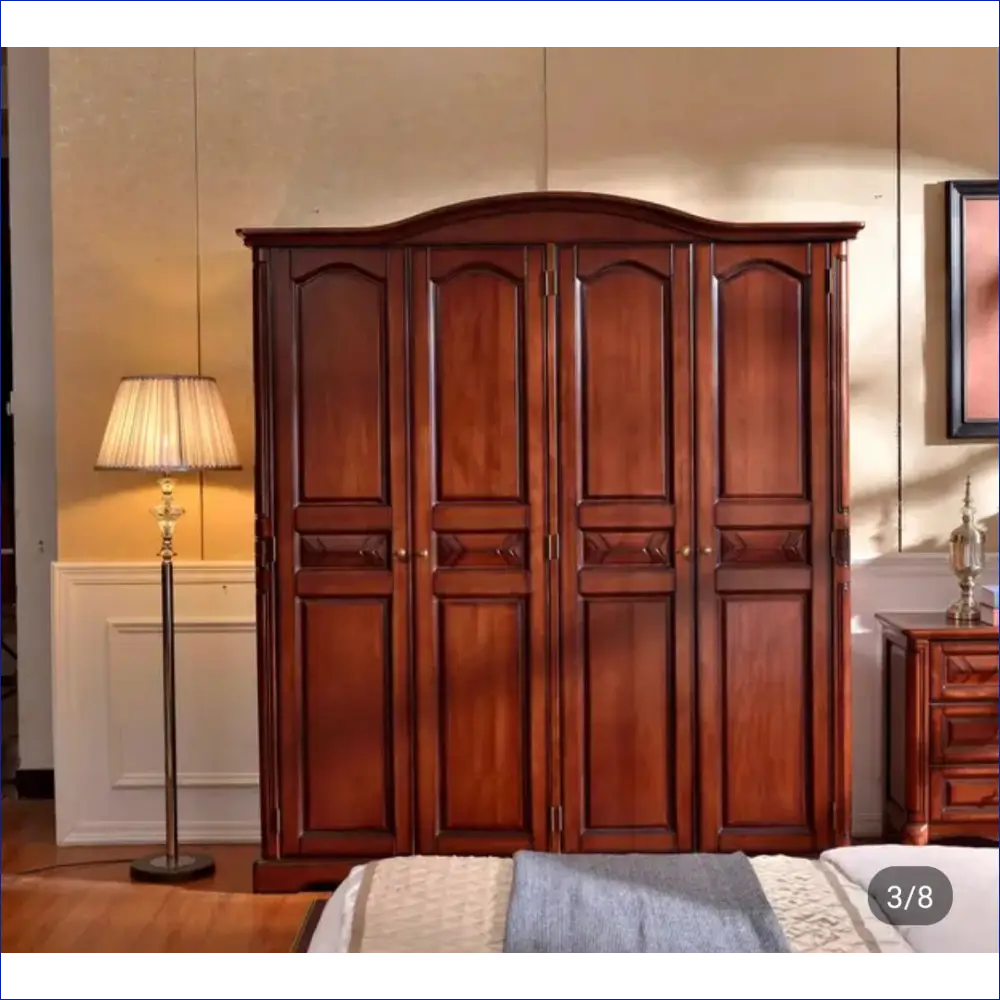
point(639, 903)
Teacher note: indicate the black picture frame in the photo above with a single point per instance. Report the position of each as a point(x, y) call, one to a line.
point(957, 194)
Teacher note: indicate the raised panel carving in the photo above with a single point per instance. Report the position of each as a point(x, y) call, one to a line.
point(479, 475)
point(344, 551)
point(342, 367)
point(493, 550)
point(762, 385)
point(478, 338)
point(625, 315)
point(484, 719)
point(964, 734)
point(628, 771)
point(347, 718)
point(625, 406)
point(964, 672)
point(964, 794)
point(626, 548)
point(759, 546)
point(766, 775)
point(972, 669)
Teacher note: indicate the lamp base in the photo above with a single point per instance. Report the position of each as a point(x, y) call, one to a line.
point(964, 611)
point(160, 868)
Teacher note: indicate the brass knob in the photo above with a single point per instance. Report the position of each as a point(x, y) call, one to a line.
point(421, 553)
point(684, 550)
point(401, 554)
point(707, 550)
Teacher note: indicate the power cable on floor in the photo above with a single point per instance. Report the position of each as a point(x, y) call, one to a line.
point(71, 864)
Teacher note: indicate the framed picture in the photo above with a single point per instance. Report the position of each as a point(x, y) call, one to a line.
point(973, 309)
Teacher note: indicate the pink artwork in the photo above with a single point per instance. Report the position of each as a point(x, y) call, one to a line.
point(973, 309)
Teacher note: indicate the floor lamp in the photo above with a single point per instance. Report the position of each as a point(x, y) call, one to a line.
point(167, 424)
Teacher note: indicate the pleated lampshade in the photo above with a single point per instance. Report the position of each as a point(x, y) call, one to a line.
point(168, 424)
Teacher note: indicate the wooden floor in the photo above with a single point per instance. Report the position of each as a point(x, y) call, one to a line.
point(80, 899)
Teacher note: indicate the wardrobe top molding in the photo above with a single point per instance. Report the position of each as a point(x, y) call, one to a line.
point(552, 217)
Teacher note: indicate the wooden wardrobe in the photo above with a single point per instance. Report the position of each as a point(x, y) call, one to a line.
point(552, 535)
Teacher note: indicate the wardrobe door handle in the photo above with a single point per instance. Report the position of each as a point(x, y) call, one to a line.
point(421, 553)
point(707, 550)
point(401, 554)
point(684, 550)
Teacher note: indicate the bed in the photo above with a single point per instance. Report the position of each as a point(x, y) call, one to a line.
point(468, 904)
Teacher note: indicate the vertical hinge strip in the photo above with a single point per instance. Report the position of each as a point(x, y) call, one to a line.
point(556, 819)
point(551, 283)
point(551, 547)
point(840, 546)
point(265, 553)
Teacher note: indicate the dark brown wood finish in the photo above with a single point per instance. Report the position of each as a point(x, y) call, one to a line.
point(551, 534)
point(941, 725)
point(841, 694)
point(552, 217)
point(479, 531)
point(341, 520)
point(625, 525)
point(766, 617)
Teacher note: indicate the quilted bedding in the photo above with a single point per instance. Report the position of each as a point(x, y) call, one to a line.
point(459, 904)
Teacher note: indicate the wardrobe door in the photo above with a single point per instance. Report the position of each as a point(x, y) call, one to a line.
point(625, 530)
point(479, 541)
point(763, 442)
point(341, 511)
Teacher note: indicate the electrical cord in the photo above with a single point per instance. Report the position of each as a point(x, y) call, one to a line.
point(71, 864)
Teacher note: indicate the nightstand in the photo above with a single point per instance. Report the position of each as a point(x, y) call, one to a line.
point(941, 723)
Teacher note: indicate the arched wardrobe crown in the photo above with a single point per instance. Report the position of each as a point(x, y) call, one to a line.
point(552, 534)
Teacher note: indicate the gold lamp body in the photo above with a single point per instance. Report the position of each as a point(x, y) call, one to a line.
point(965, 553)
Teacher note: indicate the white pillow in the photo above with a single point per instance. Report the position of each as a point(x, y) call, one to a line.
point(972, 923)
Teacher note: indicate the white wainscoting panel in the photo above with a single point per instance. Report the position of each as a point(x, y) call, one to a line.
point(108, 703)
point(108, 699)
point(214, 749)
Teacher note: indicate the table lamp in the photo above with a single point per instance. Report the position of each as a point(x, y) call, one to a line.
point(965, 553)
point(168, 424)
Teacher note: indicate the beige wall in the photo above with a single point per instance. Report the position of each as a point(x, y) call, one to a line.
point(159, 154)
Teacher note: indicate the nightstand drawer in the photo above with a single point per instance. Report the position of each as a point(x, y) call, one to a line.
point(964, 671)
point(965, 734)
point(963, 795)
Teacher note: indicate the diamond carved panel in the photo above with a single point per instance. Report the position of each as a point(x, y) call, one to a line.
point(761, 546)
point(344, 551)
point(481, 551)
point(626, 548)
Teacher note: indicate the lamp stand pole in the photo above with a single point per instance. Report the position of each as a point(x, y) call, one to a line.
point(171, 866)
